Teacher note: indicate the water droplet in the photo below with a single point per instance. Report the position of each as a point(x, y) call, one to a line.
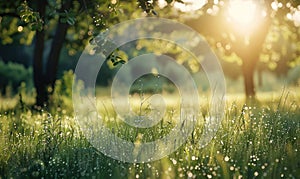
point(190, 175)
point(226, 159)
point(193, 158)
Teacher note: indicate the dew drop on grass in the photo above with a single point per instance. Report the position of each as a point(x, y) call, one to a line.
point(190, 174)
point(226, 158)
point(282, 175)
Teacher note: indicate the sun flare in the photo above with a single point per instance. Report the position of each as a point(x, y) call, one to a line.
point(242, 13)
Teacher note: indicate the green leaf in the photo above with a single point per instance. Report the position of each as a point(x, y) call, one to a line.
point(71, 21)
point(33, 26)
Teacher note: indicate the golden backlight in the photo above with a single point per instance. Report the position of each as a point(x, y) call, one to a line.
point(242, 14)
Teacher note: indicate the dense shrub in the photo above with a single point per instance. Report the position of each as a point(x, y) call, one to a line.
point(13, 74)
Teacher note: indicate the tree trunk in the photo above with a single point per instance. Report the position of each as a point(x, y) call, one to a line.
point(38, 76)
point(53, 59)
point(45, 80)
point(56, 46)
point(248, 74)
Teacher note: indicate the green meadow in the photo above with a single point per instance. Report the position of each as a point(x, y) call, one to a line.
point(255, 139)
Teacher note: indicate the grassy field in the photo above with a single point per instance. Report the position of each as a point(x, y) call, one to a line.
point(259, 139)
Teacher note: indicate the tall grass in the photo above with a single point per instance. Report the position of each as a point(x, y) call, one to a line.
point(254, 140)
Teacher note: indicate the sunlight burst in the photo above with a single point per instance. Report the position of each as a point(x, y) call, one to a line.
point(242, 13)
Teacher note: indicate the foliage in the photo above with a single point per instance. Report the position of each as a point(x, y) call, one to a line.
point(30, 17)
point(64, 85)
point(13, 74)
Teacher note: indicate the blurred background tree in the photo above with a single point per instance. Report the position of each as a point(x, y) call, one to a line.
point(252, 32)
